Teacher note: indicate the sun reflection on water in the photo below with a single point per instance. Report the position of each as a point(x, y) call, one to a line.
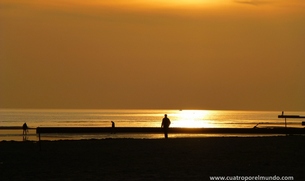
point(192, 119)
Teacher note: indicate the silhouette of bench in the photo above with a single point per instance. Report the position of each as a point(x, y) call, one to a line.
point(291, 117)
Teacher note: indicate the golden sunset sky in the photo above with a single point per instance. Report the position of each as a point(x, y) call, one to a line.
point(160, 54)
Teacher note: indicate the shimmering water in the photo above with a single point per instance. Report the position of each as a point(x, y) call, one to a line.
point(138, 118)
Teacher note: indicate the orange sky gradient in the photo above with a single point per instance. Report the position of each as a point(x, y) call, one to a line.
point(201, 54)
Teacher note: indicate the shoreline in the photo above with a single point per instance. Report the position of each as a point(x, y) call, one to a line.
point(16, 134)
point(35, 138)
point(79, 133)
point(75, 137)
point(153, 159)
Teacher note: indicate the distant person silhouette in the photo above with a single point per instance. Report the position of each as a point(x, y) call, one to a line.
point(25, 129)
point(165, 125)
point(113, 127)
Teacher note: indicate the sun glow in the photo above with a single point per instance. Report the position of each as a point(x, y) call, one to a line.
point(191, 119)
point(184, 2)
point(161, 3)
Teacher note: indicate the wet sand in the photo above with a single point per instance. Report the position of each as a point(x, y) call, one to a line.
point(153, 159)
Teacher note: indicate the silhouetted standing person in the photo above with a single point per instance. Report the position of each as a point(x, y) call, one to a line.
point(165, 125)
point(25, 129)
point(113, 126)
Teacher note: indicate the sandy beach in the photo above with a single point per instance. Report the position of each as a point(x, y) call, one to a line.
point(153, 159)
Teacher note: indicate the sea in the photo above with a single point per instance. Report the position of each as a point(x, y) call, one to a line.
point(11, 121)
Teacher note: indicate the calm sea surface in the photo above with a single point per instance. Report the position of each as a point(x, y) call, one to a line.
point(135, 118)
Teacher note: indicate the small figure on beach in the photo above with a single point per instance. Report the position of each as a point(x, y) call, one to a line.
point(165, 125)
point(25, 129)
point(113, 127)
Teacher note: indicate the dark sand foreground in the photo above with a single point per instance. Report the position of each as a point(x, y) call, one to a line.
point(153, 159)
